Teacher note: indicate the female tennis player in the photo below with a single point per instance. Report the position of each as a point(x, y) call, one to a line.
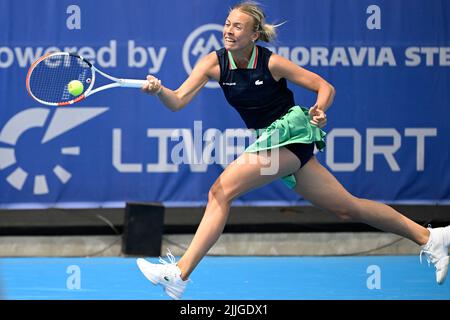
point(254, 81)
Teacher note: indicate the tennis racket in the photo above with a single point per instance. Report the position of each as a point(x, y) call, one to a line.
point(49, 76)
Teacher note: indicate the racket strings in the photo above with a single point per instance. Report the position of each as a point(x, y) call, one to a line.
point(50, 78)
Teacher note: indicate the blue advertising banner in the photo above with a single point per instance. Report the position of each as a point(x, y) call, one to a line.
point(387, 132)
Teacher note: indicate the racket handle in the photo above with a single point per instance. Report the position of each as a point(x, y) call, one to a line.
point(131, 83)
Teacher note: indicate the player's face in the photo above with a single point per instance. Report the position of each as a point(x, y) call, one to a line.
point(238, 31)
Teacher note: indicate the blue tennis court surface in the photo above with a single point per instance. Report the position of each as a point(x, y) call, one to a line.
point(223, 278)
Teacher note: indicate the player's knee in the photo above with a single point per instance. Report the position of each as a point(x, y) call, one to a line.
point(218, 193)
point(347, 211)
point(342, 214)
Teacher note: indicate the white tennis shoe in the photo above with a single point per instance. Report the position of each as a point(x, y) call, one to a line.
point(436, 251)
point(167, 274)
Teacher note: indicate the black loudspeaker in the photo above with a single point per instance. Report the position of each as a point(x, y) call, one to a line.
point(143, 229)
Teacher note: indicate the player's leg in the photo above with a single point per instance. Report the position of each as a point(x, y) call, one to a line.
point(249, 171)
point(242, 175)
point(317, 185)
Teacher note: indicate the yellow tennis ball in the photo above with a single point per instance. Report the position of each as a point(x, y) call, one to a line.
point(75, 87)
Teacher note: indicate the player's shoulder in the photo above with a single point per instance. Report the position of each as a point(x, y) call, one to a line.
point(276, 58)
point(276, 61)
point(209, 60)
point(208, 66)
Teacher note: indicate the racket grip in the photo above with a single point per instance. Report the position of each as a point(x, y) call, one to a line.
point(131, 83)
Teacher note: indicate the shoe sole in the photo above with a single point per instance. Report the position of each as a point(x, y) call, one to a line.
point(172, 295)
point(142, 264)
point(446, 271)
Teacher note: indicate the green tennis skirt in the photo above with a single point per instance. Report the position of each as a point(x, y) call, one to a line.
point(293, 127)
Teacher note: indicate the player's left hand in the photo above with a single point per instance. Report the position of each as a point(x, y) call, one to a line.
point(317, 116)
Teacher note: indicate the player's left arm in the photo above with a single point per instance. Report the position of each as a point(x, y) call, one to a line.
point(283, 68)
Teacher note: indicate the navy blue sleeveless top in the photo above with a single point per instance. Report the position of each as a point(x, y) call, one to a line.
point(254, 93)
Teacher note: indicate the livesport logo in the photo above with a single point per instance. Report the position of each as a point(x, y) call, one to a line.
point(28, 163)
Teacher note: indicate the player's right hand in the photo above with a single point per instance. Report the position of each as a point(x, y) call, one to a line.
point(152, 86)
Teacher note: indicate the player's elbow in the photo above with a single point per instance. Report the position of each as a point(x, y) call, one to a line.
point(326, 86)
point(180, 102)
point(178, 108)
point(332, 90)
point(174, 107)
point(329, 89)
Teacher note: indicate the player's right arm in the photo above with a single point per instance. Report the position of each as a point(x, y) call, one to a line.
point(206, 69)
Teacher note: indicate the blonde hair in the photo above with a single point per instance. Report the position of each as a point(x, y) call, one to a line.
point(267, 32)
